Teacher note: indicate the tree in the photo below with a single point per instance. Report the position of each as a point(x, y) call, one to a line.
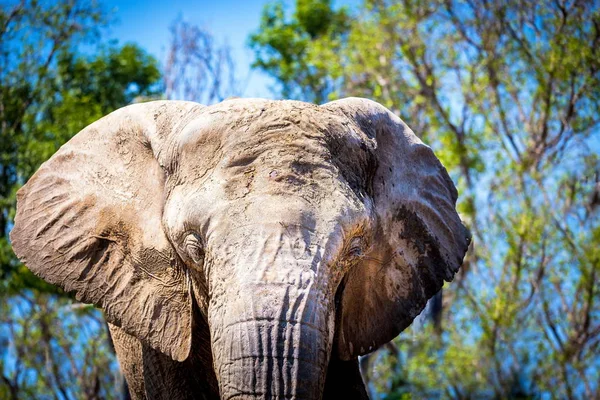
point(297, 52)
point(49, 346)
point(508, 95)
point(197, 68)
point(52, 348)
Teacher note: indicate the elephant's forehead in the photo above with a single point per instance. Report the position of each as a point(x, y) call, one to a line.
point(239, 132)
point(235, 123)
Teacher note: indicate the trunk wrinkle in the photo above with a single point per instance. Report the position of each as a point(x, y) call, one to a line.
point(283, 381)
point(263, 356)
point(277, 320)
point(262, 395)
point(268, 377)
point(298, 339)
point(256, 340)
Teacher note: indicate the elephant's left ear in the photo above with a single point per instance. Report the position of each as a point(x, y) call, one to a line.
point(89, 221)
point(420, 239)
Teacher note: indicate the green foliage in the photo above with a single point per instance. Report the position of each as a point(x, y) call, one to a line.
point(508, 95)
point(292, 49)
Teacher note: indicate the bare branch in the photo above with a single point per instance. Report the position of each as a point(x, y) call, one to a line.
point(197, 68)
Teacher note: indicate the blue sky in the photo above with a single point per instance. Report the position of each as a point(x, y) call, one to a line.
point(147, 23)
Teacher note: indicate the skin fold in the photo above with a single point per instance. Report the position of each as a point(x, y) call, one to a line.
point(249, 249)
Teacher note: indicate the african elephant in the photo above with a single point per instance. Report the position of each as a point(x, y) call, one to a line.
point(249, 249)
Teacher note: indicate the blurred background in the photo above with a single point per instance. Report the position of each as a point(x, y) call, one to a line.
point(507, 93)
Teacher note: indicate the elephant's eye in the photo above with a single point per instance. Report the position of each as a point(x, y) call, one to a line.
point(194, 248)
point(355, 249)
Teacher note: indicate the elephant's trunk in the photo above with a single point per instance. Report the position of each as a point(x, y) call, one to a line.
point(273, 342)
point(270, 313)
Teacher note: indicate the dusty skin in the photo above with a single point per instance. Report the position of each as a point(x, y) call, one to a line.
point(249, 249)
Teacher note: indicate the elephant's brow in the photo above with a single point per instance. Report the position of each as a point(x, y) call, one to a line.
point(277, 147)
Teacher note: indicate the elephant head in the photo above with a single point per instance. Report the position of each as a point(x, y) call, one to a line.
point(298, 231)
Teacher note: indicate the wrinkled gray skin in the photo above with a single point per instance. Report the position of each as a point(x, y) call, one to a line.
point(250, 249)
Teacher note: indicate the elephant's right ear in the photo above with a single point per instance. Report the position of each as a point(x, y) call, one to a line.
point(89, 221)
point(420, 240)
